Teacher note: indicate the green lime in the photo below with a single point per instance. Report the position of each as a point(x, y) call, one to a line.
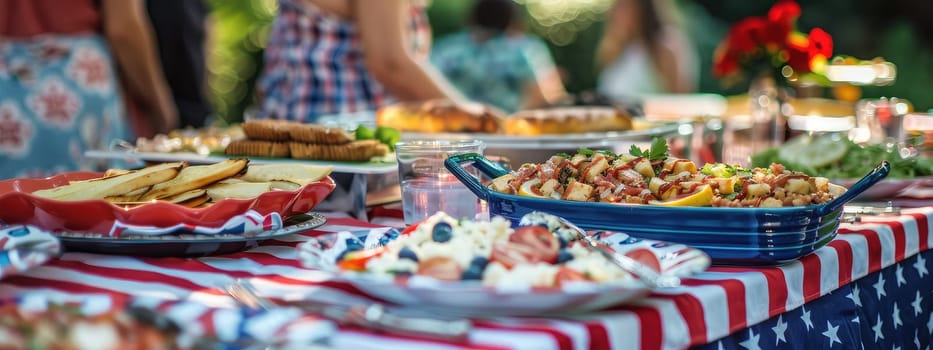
point(388, 136)
point(820, 151)
point(364, 133)
point(792, 150)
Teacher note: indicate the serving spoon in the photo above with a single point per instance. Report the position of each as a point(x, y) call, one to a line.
point(646, 274)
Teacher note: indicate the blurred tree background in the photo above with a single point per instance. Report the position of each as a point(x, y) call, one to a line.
point(895, 29)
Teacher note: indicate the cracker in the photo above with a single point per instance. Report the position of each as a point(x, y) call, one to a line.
point(317, 134)
point(255, 148)
point(268, 129)
point(357, 151)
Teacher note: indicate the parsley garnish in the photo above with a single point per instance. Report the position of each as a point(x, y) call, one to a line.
point(562, 155)
point(607, 153)
point(585, 151)
point(658, 150)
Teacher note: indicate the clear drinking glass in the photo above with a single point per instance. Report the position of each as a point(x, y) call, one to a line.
point(427, 186)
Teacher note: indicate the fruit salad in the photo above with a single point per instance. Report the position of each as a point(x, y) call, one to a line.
point(538, 253)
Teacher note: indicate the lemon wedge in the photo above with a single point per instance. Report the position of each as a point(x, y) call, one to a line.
point(703, 196)
point(527, 191)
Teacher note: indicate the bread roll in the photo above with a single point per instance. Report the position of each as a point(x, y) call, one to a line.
point(567, 120)
point(437, 116)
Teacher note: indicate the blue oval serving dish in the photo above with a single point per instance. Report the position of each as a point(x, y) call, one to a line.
point(731, 236)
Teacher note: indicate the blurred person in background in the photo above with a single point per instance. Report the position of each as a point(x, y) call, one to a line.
point(645, 51)
point(179, 27)
point(494, 61)
point(327, 57)
point(60, 64)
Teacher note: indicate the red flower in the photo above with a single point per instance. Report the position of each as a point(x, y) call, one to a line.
point(776, 35)
point(781, 19)
point(784, 11)
point(798, 55)
point(772, 42)
point(746, 36)
point(724, 61)
point(821, 43)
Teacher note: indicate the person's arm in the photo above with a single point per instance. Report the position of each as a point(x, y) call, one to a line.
point(383, 27)
point(673, 66)
point(130, 35)
point(545, 86)
point(545, 90)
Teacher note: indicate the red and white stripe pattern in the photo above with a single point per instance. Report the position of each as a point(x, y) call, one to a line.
point(249, 222)
point(707, 307)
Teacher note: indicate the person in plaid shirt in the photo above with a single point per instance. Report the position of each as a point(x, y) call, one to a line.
point(328, 57)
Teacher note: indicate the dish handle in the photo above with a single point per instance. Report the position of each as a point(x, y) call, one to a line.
point(877, 174)
point(489, 168)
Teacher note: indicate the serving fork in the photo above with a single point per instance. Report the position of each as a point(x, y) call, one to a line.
point(374, 316)
point(641, 271)
point(854, 213)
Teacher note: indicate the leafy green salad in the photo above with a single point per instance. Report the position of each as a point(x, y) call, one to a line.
point(837, 157)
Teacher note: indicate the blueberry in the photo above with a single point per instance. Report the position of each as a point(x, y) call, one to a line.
point(354, 244)
point(472, 273)
point(388, 236)
point(442, 232)
point(479, 262)
point(384, 240)
point(564, 256)
point(562, 241)
point(630, 240)
point(407, 253)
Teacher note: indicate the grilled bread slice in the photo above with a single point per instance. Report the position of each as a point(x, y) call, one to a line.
point(301, 174)
point(239, 190)
point(116, 185)
point(194, 177)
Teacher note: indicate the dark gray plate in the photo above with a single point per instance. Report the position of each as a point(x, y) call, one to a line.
point(185, 244)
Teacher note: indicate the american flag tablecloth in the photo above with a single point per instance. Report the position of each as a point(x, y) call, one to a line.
point(721, 303)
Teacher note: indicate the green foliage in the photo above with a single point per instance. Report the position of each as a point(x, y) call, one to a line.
point(858, 161)
point(448, 16)
point(239, 32)
point(900, 45)
point(658, 149)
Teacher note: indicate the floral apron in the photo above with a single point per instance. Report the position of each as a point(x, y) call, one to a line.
point(58, 98)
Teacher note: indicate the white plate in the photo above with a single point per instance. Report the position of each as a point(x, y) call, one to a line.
point(470, 298)
point(887, 188)
point(554, 141)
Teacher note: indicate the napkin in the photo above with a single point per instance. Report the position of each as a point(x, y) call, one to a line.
point(324, 251)
point(23, 247)
point(171, 322)
point(250, 222)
